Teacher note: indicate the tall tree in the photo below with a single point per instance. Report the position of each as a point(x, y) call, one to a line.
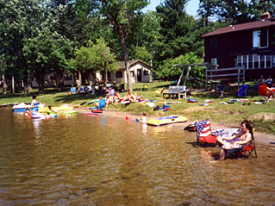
point(123, 15)
point(207, 9)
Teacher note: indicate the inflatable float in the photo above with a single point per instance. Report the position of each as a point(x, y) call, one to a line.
point(167, 120)
point(96, 111)
point(227, 132)
point(204, 104)
point(69, 112)
point(192, 100)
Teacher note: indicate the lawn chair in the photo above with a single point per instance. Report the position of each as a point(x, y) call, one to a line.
point(159, 91)
point(204, 136)
point(81, 90)
point(242, 91)
point(73, 90)
point(250, 150)
point(145, 87)
point(264, 93)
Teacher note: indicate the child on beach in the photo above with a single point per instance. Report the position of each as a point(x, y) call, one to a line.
point(144, 118)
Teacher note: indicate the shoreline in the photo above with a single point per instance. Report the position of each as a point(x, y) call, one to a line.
point(260, 137)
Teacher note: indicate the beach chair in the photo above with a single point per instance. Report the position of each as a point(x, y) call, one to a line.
point(81, 90)
point(159, 91)
point(204, 136)
point(264, 93)
point(250, 150)
point(73, 90)
point(242, 91)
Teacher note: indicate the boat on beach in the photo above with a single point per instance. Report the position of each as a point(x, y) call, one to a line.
point(167, 120)
point(23, 107)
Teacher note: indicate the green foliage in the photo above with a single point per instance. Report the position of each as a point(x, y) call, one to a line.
point(143, 54)
point(169, 72)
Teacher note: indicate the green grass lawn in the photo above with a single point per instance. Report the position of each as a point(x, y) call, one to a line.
point(231, 114)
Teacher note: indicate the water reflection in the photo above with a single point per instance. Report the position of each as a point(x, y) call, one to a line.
point(96, 160)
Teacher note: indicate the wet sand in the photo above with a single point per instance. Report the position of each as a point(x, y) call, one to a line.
point(260, 138)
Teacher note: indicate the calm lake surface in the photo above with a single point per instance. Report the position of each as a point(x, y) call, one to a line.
point(98, 160)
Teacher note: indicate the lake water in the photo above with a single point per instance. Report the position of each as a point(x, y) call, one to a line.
point(98, 160)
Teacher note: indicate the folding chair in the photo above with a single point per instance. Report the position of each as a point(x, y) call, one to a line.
point(204, 136)
point(250, 150)
point(264, 93)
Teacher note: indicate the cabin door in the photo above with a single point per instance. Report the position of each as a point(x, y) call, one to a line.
point(139, 75)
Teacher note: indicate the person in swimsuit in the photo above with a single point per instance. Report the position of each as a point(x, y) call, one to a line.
point(34, 104)
point(243, 141)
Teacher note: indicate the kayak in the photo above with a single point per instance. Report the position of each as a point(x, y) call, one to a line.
point(167, 120)
point(92, 113)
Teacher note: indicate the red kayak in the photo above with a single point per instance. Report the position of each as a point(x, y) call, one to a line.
point(91, 113)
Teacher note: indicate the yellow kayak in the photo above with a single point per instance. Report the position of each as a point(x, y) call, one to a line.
point(167, 120)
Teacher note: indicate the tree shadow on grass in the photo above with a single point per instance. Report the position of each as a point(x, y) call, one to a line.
point(74, 97)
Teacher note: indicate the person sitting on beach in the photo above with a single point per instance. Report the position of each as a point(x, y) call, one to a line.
point(269, 81)
point(129, 97)
point(243, 141)
point(109, 99)
point(117, 97)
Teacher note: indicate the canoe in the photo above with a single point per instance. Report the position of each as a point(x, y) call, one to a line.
point(167, 120)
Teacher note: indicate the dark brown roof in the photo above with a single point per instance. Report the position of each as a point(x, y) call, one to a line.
point(121, 65)
point(242, 27)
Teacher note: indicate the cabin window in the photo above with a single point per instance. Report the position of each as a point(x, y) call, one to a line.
point(145, 73)
point(119, 74)
point(68, 77)
point(254, 61)
point(260, 38)
point(132, 74)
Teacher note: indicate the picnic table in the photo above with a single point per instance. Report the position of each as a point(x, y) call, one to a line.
point(175, 92)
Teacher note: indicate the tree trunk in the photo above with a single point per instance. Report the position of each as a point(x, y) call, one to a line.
point(106, 73)
point(4, 84)
point(26, 89)
point(78, 82)
point(12, 85)
point(125, 56)
point(61, 78)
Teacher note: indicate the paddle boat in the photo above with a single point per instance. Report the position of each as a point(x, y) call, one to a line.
point(23, 107)
point(192, 101)
point(167, 120)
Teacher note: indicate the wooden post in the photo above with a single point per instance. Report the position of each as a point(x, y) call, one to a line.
point(180, 76)
point(187, 75)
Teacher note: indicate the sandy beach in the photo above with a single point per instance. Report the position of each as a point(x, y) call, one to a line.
point(260, 138)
